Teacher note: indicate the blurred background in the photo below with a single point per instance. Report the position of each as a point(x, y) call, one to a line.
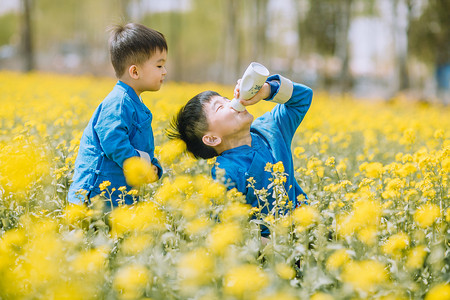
point(367, 48)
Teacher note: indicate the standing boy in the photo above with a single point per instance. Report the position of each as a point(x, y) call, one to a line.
point(121, 125)
point(211, 127)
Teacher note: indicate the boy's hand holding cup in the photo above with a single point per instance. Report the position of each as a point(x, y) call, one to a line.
point(252, 87)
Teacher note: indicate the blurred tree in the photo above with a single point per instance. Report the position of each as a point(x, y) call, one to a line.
point(403, 63)
point(195, 39)
point(27, 46)
point(232, 51)
point(8, 25)
point(430, 39)
point(344, 16)
point(400, 47)
point(72, 37)
point(325, 30)
point(176, 52)
point(259, 16)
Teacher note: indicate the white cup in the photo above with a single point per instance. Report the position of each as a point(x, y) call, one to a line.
point(252, 81)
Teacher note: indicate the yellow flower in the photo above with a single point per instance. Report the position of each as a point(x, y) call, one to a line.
point(135, 244)
point(365, 275)
point(196, 268)
point(392, 188)
point(197, 226)
point(306, 215)
point(104, 185)
point(409, 137)
point(138, 171)
point(407, 169)
point(279, 296)
point(298, 151)
point(395, 244)
point(364, 213)
point(142, 217)
point(394, 296)
point(342, 166)
point(171, 150)
point(445, 163)
point(74, 214)
point(416, 257)
point(223, 235)
point(73, 290)
point(236, 211)
point(315, 138)
point(285, 271)
point(22, 164)
point(314, 165)
point(439, 133)
point(278, 167)
point(245, 279)
point(439, 292)
point(330, 162)
point(130, 281)
point(337, 259)
point(91, 261)
point(373, 170)
point(368, 235)
point(321, 296)
point(426, 215)
point(210, 189)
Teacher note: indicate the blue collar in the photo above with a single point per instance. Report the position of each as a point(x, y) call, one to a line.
point(129, 90)
point(245, 149)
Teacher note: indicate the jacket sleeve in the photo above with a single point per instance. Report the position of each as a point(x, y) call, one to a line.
point(294, 101)
point(112, 128)
point(158, 165)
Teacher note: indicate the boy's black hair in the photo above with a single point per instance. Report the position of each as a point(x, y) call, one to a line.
point(190, 124)
point(133, 44)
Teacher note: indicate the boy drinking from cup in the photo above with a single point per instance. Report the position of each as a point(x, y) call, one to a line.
point(211, 127)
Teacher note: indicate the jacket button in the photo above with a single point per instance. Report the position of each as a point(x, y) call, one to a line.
point(97, 172)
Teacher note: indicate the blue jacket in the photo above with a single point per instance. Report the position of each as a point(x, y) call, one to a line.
point(119, 129)
point(271, 135)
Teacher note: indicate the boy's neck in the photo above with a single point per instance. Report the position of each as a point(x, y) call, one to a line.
point(131, 84)
point(236, 141)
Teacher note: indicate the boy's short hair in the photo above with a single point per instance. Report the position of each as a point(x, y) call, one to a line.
point(190, 124)
point(133, 44)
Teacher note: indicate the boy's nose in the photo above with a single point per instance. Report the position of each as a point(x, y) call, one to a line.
point(229, 106)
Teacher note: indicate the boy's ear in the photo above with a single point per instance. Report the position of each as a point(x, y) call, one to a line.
point(211, 140)
point(133, 71)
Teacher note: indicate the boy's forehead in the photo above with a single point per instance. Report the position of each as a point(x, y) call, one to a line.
point(217, 99)
point(214, 101)
point(159, 55)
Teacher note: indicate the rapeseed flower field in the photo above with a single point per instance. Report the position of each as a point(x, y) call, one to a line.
point(376, 227)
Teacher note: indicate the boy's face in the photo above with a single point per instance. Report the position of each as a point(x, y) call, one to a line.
point(153, 72)
point(224, 121)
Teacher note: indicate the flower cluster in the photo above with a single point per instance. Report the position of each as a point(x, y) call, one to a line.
point(375, 224)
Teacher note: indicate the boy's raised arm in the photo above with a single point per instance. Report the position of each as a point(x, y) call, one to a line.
point(294, 99)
